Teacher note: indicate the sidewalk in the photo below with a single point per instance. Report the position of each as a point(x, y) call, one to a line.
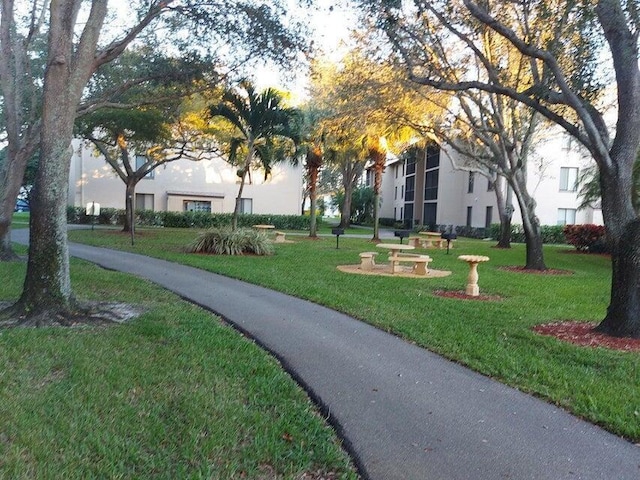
point(403, 412)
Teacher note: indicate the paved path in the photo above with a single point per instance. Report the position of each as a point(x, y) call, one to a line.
point(403, 412)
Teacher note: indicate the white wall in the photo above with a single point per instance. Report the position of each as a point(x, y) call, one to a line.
point(92, 179)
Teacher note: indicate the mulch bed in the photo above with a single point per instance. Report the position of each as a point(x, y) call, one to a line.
point(461, 295)
point(582, 333)
point(548, 271)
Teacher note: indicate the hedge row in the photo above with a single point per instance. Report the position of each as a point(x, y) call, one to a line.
point(549, 233)
point(112, 216)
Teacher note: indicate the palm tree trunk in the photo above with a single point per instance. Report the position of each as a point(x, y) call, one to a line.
point(313, 196)
point(245, 171)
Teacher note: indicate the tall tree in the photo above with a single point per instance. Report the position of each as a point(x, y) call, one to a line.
point(266, 131)
point(21, 74)
point(369, 98)
point(495, 134)
point(566, 72)
point(74, 53)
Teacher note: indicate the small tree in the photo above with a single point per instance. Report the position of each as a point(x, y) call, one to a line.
point(265, 131)
point(157, 137)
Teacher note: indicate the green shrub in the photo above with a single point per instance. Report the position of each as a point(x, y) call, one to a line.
point(586, 238)
point(550, 233)
point(224, 241)
point(150, 218)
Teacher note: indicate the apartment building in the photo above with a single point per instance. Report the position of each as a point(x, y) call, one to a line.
point(208, 185)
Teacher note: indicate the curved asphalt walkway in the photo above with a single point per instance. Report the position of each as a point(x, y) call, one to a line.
point(403, 412)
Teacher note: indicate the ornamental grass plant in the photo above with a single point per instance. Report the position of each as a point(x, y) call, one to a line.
point(224, 241)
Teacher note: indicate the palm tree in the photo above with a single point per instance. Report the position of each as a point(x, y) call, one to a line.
point(377, 149)
point(265, 131)
point(313, 164)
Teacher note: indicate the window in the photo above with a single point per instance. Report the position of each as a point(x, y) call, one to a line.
point(411, 164)
point(566, 216)
point(246, 205)
point(144, 201)
point(396, 169)
point(197, 206)
point(409, 190)
point(370, 178)
point(491, 185)
point(408, 215)
point(431, 185)
point(489, 218)
point(469, 213)
point(140, 161)
point(395, 213)
point(395, 193)
point(568, 179)
point(433, 157)
point(401, 192)
point(472, 177)
point(430, 214)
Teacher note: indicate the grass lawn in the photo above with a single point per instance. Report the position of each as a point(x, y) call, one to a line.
point(172, 394)
point(492, 337)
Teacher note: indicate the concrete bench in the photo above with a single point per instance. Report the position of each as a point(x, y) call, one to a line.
point(415, 242)
point(420, 262)
point(367, 260)
point(280, 237)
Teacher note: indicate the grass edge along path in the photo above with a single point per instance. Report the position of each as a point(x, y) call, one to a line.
point(173, 394)
point(493, 337)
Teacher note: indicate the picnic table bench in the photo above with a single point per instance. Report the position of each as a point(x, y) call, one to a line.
point(367, 260)
point(420, 262)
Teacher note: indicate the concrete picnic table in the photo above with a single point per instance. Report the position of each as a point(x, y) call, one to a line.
point(264, 228)
point(431, 236)
point(394, 249)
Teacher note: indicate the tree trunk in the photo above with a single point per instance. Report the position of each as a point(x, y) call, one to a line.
point(345, 211)
point(504, 235)
point(530, 223)
point(313, 196)
point(379, 157)
point(376, 217)
point(623, 233)
point(129, 206)
point(505, 211)
point(47, 288)
point(11, 177)
point(247, 164)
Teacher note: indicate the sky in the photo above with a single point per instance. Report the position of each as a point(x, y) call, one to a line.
point(330, 22)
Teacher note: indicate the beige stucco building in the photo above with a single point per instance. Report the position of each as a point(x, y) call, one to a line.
point(427, 187)
point(206, 185)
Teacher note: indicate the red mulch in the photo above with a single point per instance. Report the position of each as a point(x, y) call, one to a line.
point(548, 271)
point(581, 333)
point(460, 294)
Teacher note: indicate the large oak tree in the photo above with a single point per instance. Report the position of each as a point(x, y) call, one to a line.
point(588, 37)
point(77, 45)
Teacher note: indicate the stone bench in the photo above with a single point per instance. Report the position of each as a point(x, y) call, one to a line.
point(280, 237)
point(367, 260)
point(415, 242)
point(420, 262)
